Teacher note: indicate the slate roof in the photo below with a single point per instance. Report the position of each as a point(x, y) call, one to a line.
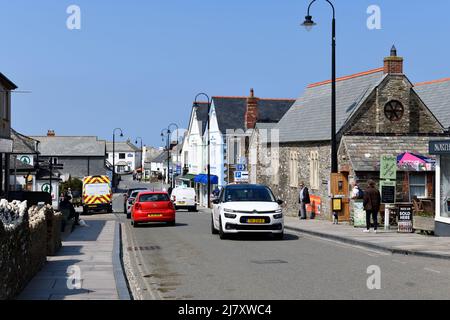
point(436, 95)
point(120, 146)
point(364, 151)
point(160, 158)
point(310, 117)
point(23, 144)
point(230, 111)
point(66, 146)
point(202, 115)
point(8, 84)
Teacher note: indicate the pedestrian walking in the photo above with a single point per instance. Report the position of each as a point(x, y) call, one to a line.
point(304, 199)
point(372, 203)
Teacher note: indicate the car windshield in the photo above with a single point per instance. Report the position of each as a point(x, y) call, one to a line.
point(131, 191)
point(159, 197)
point(251, 194)
point(134, 194)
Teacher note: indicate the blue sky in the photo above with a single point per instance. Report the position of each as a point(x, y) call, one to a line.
point(138, 64)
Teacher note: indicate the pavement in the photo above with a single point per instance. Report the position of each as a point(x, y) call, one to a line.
point(86, 268)
point(389, 241)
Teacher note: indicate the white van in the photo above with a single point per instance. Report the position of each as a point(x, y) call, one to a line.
point(184, 198)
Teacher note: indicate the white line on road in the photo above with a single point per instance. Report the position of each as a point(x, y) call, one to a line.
point(432, 270)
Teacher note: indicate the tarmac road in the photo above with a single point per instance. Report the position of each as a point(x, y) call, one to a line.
point(188, 262)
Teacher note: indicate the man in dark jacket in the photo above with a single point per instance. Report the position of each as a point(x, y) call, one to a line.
point(372, 203)
point(304, 199)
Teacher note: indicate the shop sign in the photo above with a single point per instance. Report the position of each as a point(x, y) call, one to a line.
point(388, 192)
point(405, 219)
point(439, 147)
point(388, 167)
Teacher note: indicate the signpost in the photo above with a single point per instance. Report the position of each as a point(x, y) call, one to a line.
point(388, 176)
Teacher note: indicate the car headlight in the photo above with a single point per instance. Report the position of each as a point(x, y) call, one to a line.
point(230, 216)
point(228, 211)
point(279, 214)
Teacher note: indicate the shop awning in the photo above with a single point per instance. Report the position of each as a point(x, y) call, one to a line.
point(408, 161)
point(187, 177)
point(203, 179)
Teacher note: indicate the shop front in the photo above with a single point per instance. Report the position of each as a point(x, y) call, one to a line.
point(201, 187)
point(442, 221)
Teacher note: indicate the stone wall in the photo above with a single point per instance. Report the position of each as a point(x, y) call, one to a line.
point(24, 248)
point(283, 188)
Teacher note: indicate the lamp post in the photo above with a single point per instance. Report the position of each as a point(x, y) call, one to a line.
point(178, 130)
point(196, 105)
point(308, 24)
point(142, 155)
point(163, 132)
point(114, 155)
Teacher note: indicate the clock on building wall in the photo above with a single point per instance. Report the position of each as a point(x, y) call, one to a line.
point(394, 110)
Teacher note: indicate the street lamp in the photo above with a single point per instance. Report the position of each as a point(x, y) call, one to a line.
point(167, 132)
point(142, 154)
point(114, 155)
point(178, 130)
point(196, 105)
point(308, 24)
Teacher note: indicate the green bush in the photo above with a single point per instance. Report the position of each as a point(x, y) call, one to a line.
point(76, 185)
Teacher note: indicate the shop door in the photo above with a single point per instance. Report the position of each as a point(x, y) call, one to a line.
point(340, 189)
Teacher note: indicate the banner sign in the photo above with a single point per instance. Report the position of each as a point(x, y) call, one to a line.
point(388, 167)
point(405, 219)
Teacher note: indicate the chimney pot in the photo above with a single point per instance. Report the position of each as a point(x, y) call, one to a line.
point(393, 64)
point(51, 133)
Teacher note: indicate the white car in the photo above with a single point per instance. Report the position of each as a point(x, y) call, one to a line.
point(247, 208)
point(184, 198)
point(130, 201)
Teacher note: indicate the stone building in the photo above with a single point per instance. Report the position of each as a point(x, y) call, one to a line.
point(80, 155)
point(378, 112)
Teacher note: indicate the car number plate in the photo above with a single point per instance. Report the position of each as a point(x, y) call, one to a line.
point(256, 221)
point(153, 215)
point(181, 202)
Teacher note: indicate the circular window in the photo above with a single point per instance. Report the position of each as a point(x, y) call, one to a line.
point(394, 110)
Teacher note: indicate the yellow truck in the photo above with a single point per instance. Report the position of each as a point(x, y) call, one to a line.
point(97, 194)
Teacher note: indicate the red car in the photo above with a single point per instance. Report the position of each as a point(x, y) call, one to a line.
point(152, 207)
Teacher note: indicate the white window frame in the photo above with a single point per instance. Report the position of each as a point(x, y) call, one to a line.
point(293, 169)
point(314, 170)
point(418, 185)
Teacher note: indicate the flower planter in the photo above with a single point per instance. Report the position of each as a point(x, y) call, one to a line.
point(423, 223)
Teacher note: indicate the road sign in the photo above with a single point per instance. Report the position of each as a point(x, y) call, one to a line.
point(241, 176)
point(46, 188)
point(388, 167)
point(241, 167)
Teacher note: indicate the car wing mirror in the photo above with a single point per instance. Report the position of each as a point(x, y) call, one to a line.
point(280, 202)
point(216, 201)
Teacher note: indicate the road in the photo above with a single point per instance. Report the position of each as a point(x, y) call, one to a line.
point(188, 262)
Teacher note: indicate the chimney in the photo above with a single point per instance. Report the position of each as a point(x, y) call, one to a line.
point(393, 64)
point(251, 114)
point(51, 133)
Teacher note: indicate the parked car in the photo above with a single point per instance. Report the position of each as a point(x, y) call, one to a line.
point(130, 201)
point(153, 207)
point(247, 208)
point(184, 198)
point(127, 195)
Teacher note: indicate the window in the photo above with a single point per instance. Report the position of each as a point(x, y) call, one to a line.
point(157, 197)
point(121, 155)
point(3, 105)
point(293, 169)
point(248, 194)
point(275, 164)
point(418, 185)
point(314, 170)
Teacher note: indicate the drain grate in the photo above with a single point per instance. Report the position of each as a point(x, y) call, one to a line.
point(147, 248)
point(269, 262)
